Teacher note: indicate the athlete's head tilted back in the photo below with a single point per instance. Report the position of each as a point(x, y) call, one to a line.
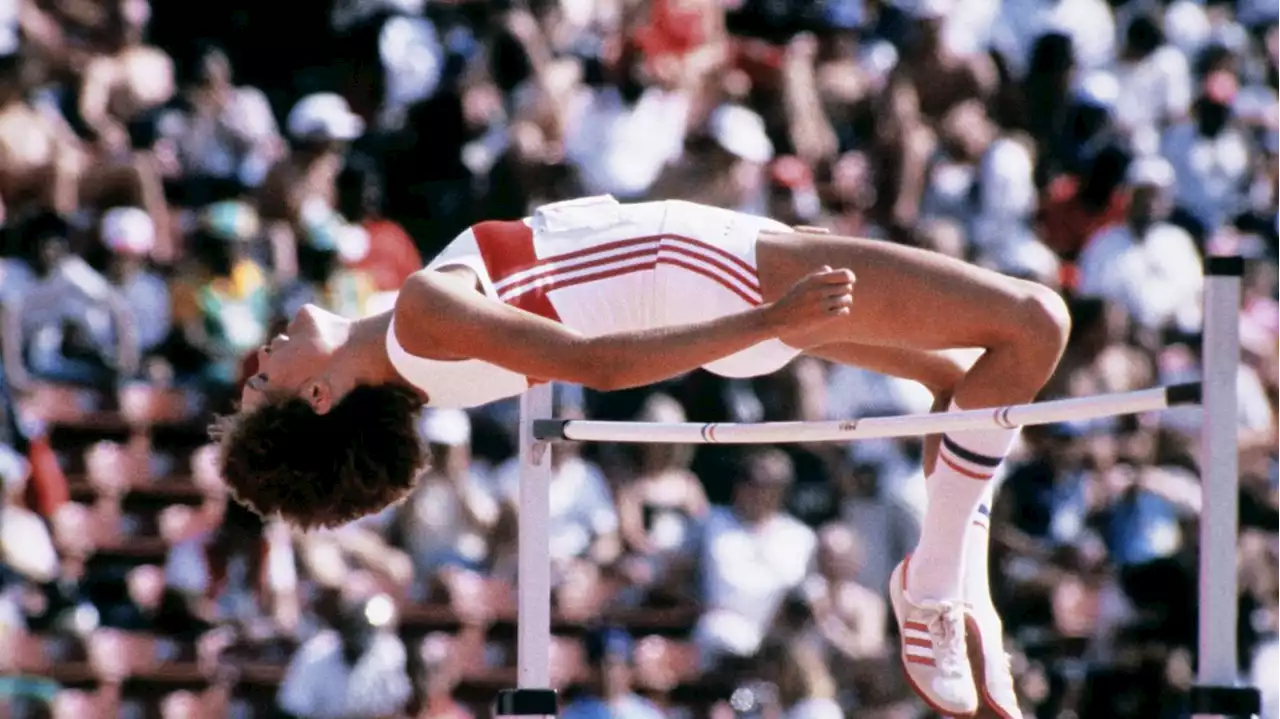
point(318, 440)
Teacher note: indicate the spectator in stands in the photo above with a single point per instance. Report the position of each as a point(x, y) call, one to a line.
point(1147, 265)
point(148, 607)
point(874, 504)
point(662, 506)
point(584, 518)
point(435, 676)
point(752, 555)
point(126, 81)
point(75, 703)
point(725, 163)
point(941, 76)
point(850, 617)
point(1209, 154)
point(298, 198)
point(224, 137)
point(27, 554)
point(1044, 500)
point(1154, 83)
point(130, 235)
point(41, 158)
point(451, 514)
point(1075, 208)
point(391, 255)
point(610, 654)
point(806, 689)
point(354, 671)
point(796, 394)
point(59, 323)
point(620, 132)
point(1101, 355)
point(223, 305)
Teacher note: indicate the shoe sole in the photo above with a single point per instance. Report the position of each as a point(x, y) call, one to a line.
point(895, 595)
point(978, 660)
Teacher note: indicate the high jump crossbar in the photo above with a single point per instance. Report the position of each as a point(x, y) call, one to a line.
point(1074, 409)
point(1217, 693)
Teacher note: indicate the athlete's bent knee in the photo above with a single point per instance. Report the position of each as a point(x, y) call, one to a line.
point(1044, 319)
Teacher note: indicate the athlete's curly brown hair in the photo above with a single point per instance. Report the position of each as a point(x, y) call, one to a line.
point(323, 470)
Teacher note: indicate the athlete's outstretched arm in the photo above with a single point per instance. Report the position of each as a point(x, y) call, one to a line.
point(439, 314)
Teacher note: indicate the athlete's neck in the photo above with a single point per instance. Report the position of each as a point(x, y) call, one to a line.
point(365, 359)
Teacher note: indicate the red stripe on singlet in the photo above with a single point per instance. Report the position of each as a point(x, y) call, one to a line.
point(552, 283)
point(507, 247)
point(551, 267)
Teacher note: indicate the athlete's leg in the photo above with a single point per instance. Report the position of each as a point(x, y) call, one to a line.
point(916, 300)
point(940, 371)
point(912, 299)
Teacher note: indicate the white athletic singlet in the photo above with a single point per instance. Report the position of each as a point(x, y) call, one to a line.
point(599, 266)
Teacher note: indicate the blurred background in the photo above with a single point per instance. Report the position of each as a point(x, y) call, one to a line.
point(177, 178)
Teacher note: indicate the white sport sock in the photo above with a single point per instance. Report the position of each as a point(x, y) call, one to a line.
point(966, 463)
point(977, 585)
point(977, 574)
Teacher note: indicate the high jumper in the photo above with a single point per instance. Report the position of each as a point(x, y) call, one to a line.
point(611, 295)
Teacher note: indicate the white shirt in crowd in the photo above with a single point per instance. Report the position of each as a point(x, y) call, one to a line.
point(72, 293)
point(318, 683)
point(147, 297)
point(582, 506)
point(747, 572)
point(439, 527)
point(1158, 279)
point(25, 544)
point(233, 143)
point(1153, 91)
point(620, 149)
point(1089, 23)
point(969, 25)
point(1210, 172)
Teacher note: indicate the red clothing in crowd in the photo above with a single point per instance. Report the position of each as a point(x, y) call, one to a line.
point(1066, 223)
point(392, 255)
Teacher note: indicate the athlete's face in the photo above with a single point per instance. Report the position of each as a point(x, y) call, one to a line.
point(294, 363)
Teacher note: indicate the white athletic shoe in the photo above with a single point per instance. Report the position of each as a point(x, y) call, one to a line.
point(991, 666)
point(934, 652)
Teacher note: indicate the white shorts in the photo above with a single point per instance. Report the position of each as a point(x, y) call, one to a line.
point(722, 282)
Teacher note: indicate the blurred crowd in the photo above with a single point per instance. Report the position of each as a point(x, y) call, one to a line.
point(176, 179)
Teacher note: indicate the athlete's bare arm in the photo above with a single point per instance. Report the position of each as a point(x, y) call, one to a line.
point(441, 315)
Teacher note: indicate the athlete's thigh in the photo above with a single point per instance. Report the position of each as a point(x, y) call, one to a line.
point(904, 297)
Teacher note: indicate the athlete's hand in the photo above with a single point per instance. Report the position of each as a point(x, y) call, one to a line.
point(817, 299)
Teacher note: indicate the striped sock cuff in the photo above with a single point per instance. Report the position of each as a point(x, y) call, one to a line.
point(967, 462)
point(975, 454)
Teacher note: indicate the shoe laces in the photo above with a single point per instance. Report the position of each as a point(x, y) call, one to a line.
point(945, 620)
